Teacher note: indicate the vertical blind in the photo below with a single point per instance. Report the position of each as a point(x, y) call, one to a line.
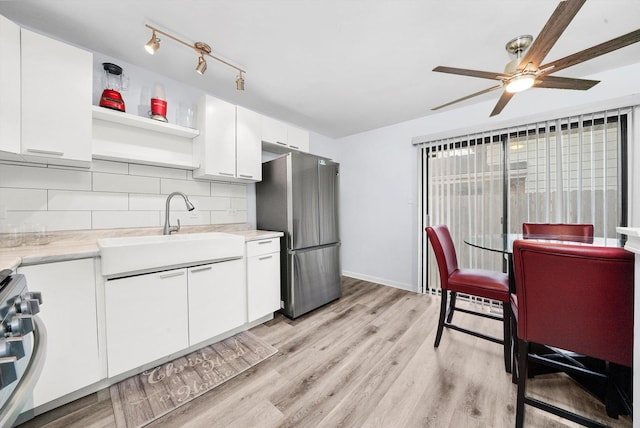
point(569, 170)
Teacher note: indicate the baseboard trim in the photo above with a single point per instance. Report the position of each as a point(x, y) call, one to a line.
point(395, 284)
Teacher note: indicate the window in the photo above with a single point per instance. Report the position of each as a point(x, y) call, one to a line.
point(570, 170)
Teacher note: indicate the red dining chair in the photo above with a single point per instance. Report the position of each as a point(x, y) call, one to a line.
point(579, 299)
point(577, 232)
point(473, 282)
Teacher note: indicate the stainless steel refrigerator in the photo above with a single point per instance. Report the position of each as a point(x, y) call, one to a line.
point(298, 195)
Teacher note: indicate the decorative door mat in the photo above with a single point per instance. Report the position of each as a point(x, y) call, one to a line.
point(153, 393)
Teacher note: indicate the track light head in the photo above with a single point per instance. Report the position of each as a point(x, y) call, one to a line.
point(240, 83)
point(153, 44)
point(202, 65)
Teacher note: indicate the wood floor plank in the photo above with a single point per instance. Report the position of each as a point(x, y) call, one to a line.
point(365, 360)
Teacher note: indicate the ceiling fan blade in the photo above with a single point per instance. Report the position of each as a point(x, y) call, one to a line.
point(556, 82)
point(484, 91)
point(553, 29)
point(472, 73)
point(593, 52)
point(502, 102)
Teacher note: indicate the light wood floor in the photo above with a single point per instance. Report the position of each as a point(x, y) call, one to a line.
point(366, 360)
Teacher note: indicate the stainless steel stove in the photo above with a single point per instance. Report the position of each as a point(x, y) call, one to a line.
point(22, 345)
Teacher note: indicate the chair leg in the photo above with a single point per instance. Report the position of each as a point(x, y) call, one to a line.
point(514, 349)
point(443, 313)
point(452, 307)
point(506, 327)
point(523, 351)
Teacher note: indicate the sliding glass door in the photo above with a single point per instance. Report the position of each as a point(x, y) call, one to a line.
point(570, 170)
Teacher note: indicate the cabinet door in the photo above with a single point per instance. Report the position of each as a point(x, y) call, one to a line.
point(298, 139)
point(56, 100)
point(68, 312)
point(274, 131)
point(248, 144)
point(217, 299)
point(263, 278)
point(146, 317)
point(216, 144)
point(9, 86)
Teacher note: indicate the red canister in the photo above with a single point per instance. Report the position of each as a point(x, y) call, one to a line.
point(158, 107)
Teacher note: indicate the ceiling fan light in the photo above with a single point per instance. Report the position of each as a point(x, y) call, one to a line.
point(520, 83)
point(153, 44)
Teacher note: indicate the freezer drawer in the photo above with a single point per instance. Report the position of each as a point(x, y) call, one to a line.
point(314, 279)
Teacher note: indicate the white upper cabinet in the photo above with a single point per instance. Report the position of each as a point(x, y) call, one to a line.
point(248, 144)
point(9, 86)
point(298, 139)
point(274, 131)
point(279, 137)
point(228, 146)
point(56, 91)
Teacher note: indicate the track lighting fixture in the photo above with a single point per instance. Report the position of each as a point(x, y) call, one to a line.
point(153, 44)
point(240, 82)
point(200, 48)
point(202, 65)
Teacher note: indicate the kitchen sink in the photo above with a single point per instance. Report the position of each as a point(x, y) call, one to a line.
point(142, 254)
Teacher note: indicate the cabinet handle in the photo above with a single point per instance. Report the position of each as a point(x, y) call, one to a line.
point(227, 174)
point(170, 274)
point(295, 147)
point(282, 144)
point(265, 242)
point(201, 269)
point(46, 152)
point(265, 257)
point(246, 176)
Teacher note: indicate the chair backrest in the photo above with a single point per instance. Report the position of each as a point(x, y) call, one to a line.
point(577, 232)
point(444, 250)
point(575, 297)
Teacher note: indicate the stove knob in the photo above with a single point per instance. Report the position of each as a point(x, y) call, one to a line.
point(8, 372)
point(12, 347)
point(27, 306)
point(19, 326)
point(34, 295)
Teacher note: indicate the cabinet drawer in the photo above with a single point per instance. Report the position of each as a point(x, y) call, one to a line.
point(263, 246)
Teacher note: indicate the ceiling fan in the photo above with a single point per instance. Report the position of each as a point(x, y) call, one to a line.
point(526, 69)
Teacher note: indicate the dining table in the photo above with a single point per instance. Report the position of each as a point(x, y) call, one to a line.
point(503, 243)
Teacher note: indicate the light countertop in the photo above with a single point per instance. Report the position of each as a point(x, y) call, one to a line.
point(72, 245)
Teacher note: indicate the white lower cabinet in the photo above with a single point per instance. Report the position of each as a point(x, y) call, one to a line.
point(263, 277)
point(68, 312)
point(217, 297)
point(154, 315)
point(146, 318)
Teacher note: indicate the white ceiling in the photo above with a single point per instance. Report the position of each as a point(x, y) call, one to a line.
point(336, 67)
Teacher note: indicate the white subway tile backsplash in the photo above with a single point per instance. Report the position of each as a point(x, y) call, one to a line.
point(23, 199)
point(30, 177)
point(119, 219)
point(60, 200)
point(239, 204)
point(113, 195)
point(157, 171)
point(211, 202)
point(228, 216)
point(54, 220)
point(109, 167)
point(202, 188)
point(228, 189)
point(125, 183)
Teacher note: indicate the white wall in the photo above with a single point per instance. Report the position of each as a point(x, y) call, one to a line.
point(379, 172)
